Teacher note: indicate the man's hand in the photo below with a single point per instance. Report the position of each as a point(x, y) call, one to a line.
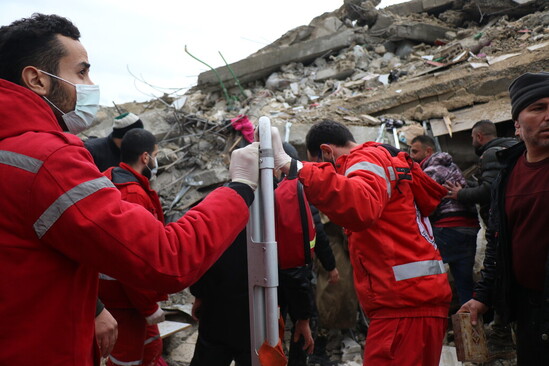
point(195, 313)
point(334, 276)
point(157, 317)
point(244, 166)
point(453, 190)
point(302, 329)
point(475, 308)
point(106, 332)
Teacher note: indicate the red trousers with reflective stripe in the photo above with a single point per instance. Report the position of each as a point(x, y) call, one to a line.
point(133, 332)
point(405, 341)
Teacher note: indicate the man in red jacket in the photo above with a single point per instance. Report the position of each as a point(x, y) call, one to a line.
point(135, 310)
point(382, 198)
point(62, 221)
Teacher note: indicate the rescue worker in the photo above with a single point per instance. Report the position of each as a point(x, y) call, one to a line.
point(136, 310)
point(382, 198)
point(106, 150)
point(62, 222)
point(106, 153)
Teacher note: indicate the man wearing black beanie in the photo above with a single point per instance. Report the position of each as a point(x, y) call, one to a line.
point(515, 279)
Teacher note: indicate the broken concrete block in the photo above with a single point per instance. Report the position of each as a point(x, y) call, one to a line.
point(384, 21)
point(333, 73)
point(380, 50)
point(404, 48)
point(275, 82)
point(420, 32)
point(326, 27)
point(406, 8)
point(261, 65)
point(436, 5)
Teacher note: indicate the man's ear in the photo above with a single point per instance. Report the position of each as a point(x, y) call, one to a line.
point(144, 158)
point(36, 81)
point(517, 128)
point(325, 148)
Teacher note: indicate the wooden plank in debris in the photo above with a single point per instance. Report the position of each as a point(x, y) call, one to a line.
point(498, 110)
point(167, 328)
point(261, 65)
point(470, 340)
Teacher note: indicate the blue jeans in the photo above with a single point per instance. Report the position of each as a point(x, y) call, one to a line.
point(457, 247)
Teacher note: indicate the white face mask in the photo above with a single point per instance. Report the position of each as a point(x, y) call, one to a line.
point(87, 104)
point(154, 170)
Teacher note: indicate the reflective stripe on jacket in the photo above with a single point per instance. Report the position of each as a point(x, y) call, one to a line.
point(383, 202)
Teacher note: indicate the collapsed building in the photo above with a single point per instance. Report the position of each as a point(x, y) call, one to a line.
point(424, 66)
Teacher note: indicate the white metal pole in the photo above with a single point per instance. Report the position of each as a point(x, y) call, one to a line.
point(262, 251)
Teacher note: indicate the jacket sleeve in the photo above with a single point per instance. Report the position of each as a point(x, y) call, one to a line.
point(80, 214)
point(323, 251)
point(336, 195)
point(485, 286)
point(145, 301)
point(489, 167)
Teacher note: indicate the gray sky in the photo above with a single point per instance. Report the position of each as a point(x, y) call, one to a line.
point(148, 37)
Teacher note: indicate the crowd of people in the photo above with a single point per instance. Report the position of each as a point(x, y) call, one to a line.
point(84, 243)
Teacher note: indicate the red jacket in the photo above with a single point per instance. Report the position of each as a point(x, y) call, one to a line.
point(383, 202)
point(134, 188)
point(62, 222)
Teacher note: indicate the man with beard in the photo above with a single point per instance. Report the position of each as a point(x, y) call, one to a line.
point(486, 143)
point(515, 278)
point(455, 225)
point(63, 222)
point(135, 310)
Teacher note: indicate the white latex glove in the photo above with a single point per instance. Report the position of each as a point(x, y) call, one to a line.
point(282, 160)
point(157, 317)
point(244, 166)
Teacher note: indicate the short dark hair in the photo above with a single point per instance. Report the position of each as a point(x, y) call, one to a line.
point(33, 42)
point(327, 132)
point(486, 128)
point(425, 141)
point(135, 143)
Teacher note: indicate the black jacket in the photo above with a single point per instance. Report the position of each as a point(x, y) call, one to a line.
point(498, 287)
point(323, 251)
point(104, 151)
point(489, 167)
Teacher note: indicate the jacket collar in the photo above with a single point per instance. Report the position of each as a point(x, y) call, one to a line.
point(124, 174)
point(22, 111)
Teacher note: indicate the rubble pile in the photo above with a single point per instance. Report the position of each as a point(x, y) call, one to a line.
point(424, 60)
point(439, 65)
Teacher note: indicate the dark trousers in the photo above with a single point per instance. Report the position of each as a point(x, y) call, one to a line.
point(532, 333)
point(215, 354)
point(458, 247)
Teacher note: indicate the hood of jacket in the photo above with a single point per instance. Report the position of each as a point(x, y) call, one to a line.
point(498, 142)
point(22, 111)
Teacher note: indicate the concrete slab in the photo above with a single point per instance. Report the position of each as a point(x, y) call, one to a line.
point(420, 32)
point(496, 111)
point(258, 66)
